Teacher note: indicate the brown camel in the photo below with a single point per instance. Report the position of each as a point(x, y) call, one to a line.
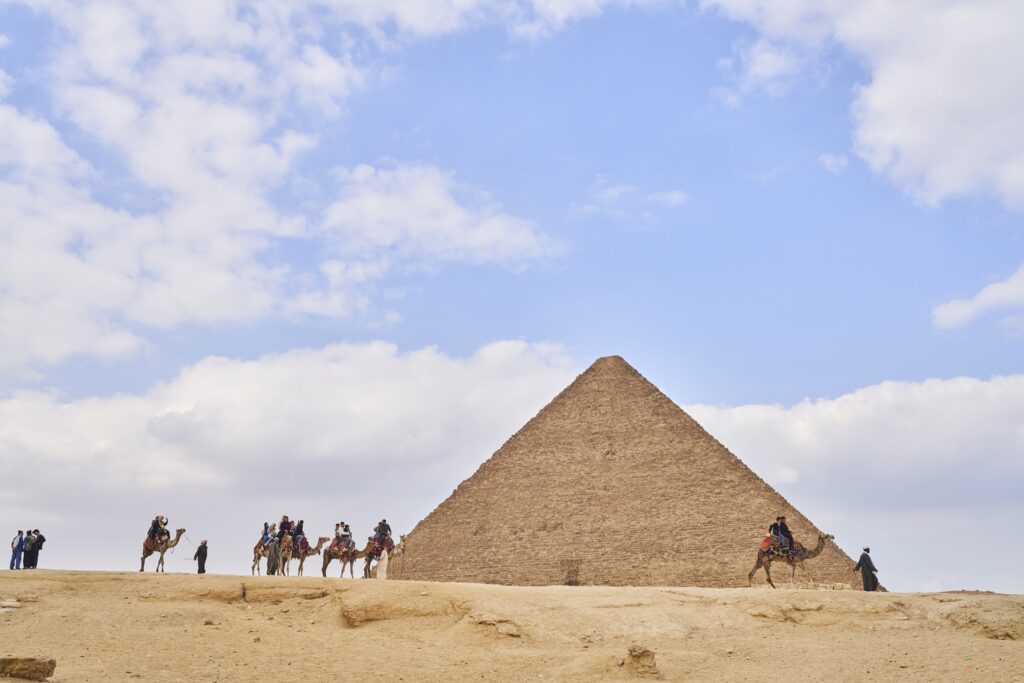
point(347, 556)
point(765, 559)
point(301, 555)
point(260, 551)
point(382, 564)
point(161, 545)
point(286, 554)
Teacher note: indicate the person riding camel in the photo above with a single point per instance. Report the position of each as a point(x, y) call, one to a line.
point(284, 528)
point(780, 532)
point(154, 528)
point(381, 533)
point(158, 529)
point(265, 538)
point(346, 537)
point(299, 535)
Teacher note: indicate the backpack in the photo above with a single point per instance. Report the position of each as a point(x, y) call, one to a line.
point(29, 542)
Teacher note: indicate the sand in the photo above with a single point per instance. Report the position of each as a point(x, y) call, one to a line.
point(128, 627)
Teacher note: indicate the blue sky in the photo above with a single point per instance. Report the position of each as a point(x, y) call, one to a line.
point(782, 217)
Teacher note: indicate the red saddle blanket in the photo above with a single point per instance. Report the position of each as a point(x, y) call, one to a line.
point(377, 547)
point(766, 543)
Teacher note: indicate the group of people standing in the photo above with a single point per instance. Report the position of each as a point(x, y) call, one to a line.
point(25, 549)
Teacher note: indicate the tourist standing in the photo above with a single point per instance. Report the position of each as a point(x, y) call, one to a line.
point(17, 548)
point(200, 556)
point(867, 570)
point(30, 545)
point(37, 546)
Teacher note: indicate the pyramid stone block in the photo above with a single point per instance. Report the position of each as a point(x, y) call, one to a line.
point(610, 484)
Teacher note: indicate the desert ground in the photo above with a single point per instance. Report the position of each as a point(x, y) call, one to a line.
point(173, 627)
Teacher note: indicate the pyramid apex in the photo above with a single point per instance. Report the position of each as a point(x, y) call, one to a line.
point(610, 362)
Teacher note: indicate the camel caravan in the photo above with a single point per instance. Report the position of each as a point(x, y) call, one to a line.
point(282, 542)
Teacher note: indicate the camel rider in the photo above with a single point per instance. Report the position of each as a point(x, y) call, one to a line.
point(299, 535)
point(154, 528)
point(346, 537)
point(382, 531)
point(284, 528)
point(780, 531)
point(775, 531)
point(158, 529)
point(265, 538)
point(786, 534)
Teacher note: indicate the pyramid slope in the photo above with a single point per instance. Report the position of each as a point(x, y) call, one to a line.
point(610, 484)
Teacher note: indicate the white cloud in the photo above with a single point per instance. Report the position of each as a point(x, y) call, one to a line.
point(202, 110)
point(669, 198)
point(1008, 293)
point(629, 203)
point(4, 41)
point(421, 214)
point(833, 163)
point(5, 84)
point(762, 65)
point(945, 93)
point(348, 432)
point(899, 465)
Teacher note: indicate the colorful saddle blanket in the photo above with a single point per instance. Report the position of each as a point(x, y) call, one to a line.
point(377, 547)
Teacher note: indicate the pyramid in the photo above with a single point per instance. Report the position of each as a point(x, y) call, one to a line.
point(610, 484)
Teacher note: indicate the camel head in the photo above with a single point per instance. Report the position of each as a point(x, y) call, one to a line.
point(827, 537)
point(178, 533)
point(319, 544)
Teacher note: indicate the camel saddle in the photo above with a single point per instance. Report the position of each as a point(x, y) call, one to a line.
point(377, 547)
point(153, 542)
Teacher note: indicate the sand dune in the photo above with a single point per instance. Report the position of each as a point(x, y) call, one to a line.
point(173, 627)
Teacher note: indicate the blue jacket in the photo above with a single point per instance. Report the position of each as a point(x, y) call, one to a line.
point(18, 544)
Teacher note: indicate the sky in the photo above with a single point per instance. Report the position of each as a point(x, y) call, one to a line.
point(323, 258)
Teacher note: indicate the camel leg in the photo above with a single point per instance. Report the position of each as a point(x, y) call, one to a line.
point(327, 561)
point(757, 565)
point(768, 573)
point(142, 565)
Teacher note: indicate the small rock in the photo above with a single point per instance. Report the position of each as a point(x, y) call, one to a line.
point(507, 628)
point(10, 604)
point(27, 668)
point(256, 639)
point(208, 622)
point(640, 661)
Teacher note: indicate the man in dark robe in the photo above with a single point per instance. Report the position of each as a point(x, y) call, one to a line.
point(37, 546)
point(200, 556)
point(867, 570)
point(273, 557)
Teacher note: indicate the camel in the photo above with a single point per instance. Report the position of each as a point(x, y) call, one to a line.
point(162, 545)
point(380, 571)
point(346, 556)
point(258, 553)
point(301, 556)
point(286, 554)
point(765, 559)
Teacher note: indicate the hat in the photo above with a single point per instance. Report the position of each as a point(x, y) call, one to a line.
point(867, 549)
